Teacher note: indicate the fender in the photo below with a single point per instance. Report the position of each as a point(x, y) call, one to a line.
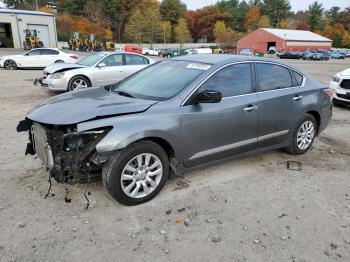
point(130, 128)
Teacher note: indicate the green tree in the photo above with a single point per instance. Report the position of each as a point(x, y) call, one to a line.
point(315, 16)
point(237, 11)
point(172, 10)
point(334, 14)
point(277, 10)
point(151, 24)
point(182, 33)
point(223, 35)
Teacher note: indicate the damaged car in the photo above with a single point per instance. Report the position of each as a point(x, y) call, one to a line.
point(94, 70)
point(180, 114)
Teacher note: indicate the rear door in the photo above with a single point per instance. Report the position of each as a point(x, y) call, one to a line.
point(48, 57)
point(280, 92)
point(134, 63)
point(112, 72)
point(215, 131)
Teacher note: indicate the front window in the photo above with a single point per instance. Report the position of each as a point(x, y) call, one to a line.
point(91, 59)
point(161, 81)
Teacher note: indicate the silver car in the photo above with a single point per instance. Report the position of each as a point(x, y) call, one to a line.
point(94, 70)
point(178, 114)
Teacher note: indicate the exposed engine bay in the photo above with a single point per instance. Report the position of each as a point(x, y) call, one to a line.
point(70, 156)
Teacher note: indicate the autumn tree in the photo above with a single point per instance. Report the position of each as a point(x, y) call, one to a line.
point(252, 18)
point(134, 27)
point(166, 31)
point(181, 31)
point(264, 22)
point(223, 35)
point(151, 23)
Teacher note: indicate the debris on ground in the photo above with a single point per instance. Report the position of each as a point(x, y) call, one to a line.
point(21, 224)
point(181, 184)
point(179, 222)
point(181, 209)
point(294, 165)
point(208, 220)
point(333, 246)
point(74, 229)
point(187, 222)
point(282, 215)
point(168, 212)
point(216, 239)
point(163, 232)
point(331, 151)
point(256, 241)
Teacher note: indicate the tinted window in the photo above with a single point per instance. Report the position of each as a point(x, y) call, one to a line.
point(161, 81)
point(48, 52)
point(230, 81)
point(113, 60)
point(34, 52)
point(272, 77)
point(299, 78)
point(136, 60)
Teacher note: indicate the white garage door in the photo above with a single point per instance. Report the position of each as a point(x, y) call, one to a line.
point(43, 33)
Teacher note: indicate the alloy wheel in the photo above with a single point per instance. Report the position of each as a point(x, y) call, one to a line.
point(79, 83)
point(141, 175)
point(305, 135)
point(11, 65)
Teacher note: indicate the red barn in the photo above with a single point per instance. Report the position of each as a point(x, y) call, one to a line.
point(262, 39)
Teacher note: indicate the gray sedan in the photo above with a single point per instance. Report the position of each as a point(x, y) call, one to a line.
point(179, 114)
point(94, 70)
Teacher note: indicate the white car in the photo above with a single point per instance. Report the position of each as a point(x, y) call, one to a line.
point(37, 58)
point(94, 70)
point(151, 51)
point(341, 85)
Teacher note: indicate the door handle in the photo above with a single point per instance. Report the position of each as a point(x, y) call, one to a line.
point(250, 108)
point(297, 98)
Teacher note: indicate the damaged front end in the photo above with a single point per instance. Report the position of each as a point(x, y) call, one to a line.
point(70, 156)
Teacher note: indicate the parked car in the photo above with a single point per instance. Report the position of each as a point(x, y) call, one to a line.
point(180, 114)
point(167, 52)
point(202, 51)
point(151, 51)
point(37, 58)
point(307, 55)
point(341, 85)
point(133, 49)
point(290, 55)
point(337, 55)
point(94, 70)
point(247, 51)
point(319, 56)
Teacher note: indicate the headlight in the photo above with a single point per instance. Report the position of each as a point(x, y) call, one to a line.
point(57, 75)
point(336, 79)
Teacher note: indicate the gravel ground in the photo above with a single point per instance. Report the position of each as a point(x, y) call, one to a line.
point(252, 209)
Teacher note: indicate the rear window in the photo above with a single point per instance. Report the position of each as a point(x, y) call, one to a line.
point(298, 77)
point(273, 77)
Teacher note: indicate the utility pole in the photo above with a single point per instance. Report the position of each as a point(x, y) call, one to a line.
point(36, 4)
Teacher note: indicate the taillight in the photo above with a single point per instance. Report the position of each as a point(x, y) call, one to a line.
point(73, 56)
point(329, 92)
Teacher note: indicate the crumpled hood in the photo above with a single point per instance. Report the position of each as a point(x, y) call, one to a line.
point(82, 105)
point(60, 67)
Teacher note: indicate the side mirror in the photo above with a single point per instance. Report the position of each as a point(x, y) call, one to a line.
point(101, 65)
point(208, 96)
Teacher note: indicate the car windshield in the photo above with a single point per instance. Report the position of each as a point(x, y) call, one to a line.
point(91, 59)
point(161, 81)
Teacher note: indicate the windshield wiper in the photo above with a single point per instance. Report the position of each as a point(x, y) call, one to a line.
point(123, 93)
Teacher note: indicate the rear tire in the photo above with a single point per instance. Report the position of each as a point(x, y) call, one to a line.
point(137, 172)
point(303, 135)
point(59, 61)
point(10, 65)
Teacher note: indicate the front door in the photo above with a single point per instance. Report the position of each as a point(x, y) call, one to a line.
point(215, 131)
point(112, 70)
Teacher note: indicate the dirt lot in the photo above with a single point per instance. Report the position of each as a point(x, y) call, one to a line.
point(252, 209)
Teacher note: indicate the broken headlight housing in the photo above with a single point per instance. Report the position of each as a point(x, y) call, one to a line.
point(58, 75)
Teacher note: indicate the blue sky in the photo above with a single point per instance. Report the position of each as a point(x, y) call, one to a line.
point(296, 4)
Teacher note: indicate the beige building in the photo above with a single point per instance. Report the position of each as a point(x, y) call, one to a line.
point(13, 25)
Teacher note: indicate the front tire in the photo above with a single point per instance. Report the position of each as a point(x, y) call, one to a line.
point(78, 82)
point(303, 135)
point(137, 173)
point(10, 65)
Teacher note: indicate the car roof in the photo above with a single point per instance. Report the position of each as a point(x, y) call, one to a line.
point(223, 58)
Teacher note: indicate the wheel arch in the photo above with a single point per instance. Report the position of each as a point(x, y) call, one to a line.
point(317, 117)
